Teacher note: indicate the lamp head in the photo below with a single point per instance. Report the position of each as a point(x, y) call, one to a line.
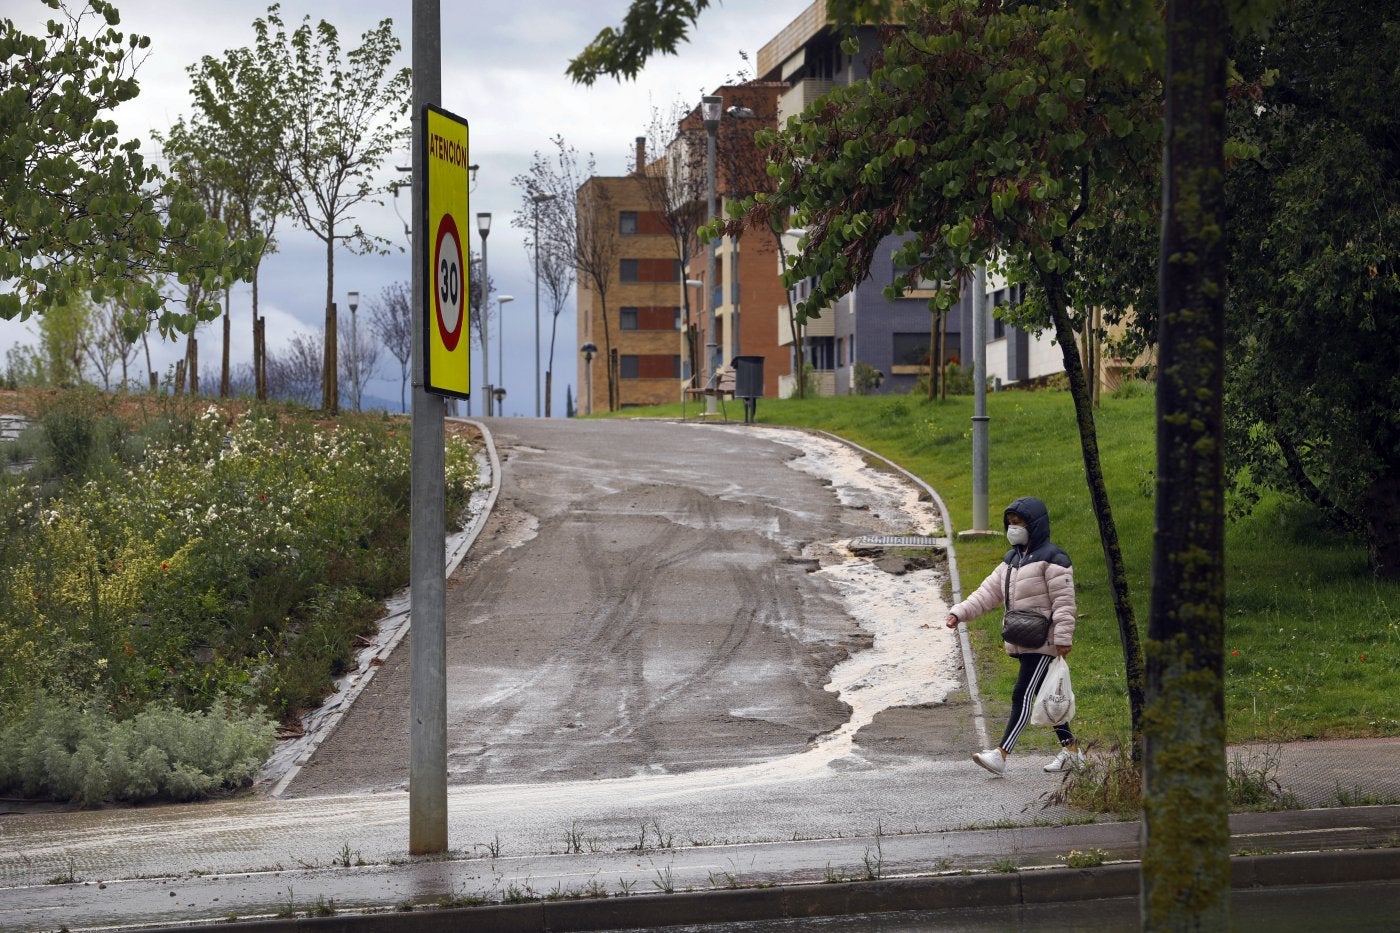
point(483, 224)
point(353, 298)
point(589, 350)
point(711, 106)
point(503, 299)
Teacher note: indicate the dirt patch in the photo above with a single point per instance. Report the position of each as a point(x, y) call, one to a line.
point(934, 731)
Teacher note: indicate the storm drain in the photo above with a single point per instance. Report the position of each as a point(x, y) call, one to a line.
point(865, 541)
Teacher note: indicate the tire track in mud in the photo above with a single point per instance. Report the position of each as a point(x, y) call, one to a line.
point(629, 608)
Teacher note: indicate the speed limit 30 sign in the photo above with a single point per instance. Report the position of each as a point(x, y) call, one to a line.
point(449, 283)
point(445, 207)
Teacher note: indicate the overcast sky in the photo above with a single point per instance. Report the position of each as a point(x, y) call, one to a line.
point(503, 69)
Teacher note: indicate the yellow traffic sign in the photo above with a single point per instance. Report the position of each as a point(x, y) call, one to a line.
point(446, 311)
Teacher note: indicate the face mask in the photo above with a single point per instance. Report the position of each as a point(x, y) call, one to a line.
point(1017, 534)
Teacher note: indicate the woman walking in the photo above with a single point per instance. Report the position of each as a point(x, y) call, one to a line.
point(1035, 574)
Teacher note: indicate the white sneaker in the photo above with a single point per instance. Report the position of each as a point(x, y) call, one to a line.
point(1066, 760)
point(992, 760)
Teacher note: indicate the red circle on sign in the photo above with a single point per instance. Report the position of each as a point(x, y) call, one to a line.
point(449, 282)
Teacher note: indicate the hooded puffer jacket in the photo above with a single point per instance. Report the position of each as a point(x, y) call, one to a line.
point(1041, 579)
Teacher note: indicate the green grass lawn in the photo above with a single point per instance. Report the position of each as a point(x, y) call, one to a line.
point(1312, 640)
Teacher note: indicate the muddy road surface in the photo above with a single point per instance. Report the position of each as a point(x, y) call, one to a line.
point(646, 598)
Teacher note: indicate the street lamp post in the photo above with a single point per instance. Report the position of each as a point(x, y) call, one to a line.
point(689, 326)
point(353, 299)
point(710, 110)
point(980, 419)
point(736, 114)
point(537, 200)
point(589, 350)
point(483, 226)
point(501, 303)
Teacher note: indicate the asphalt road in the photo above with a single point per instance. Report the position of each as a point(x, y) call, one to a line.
point(642, 600)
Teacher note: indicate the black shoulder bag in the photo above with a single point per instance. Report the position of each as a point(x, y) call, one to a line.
point(1024, 628)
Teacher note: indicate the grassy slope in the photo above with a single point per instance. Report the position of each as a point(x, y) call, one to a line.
point(1303, 609)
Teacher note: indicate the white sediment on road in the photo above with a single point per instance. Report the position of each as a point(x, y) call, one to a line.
point(912, 659)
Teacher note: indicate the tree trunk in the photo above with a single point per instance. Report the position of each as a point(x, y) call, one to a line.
point(330, 387)
point(192, 363)
point(1186, 831)
point(1382, 511)
point(259, 351)
point(548, 389)
point(1103, 513)
point(228, 333)
point(260, 357)
point(607, 353)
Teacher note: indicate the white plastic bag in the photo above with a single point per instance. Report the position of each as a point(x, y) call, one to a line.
point(1054, 704)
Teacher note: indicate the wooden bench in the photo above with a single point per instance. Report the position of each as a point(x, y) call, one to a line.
point(721, 387)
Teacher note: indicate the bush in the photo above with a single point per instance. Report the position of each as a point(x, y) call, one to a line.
point(193, 557)
point(959, 381)
point(69, 752)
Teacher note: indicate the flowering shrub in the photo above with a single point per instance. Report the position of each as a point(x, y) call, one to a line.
point(60, 750)
point(205, 558)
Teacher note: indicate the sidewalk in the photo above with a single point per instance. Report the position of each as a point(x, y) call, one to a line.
point(872, 831)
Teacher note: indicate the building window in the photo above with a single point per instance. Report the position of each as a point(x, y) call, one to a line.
point(920, 284)
point(821, 352)
point(910, 350)
point(1008, 297)
point(660, 318)
point(627, 223)
point(840, 351)
point(632, 271)
point(649, 366)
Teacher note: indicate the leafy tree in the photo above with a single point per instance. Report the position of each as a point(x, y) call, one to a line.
point(578, 229)
point(295, 373)
point(1314, 401)
point(391, 318)
point(674, 188)
point(234, 113)
point(651, 26)
point(79, 211)
point(557, 275)
point(202, 169)
point(340, 117)
point(983, 134)
point(479, 289)
point(359, 362)
point(110, 343)
point(59, 355)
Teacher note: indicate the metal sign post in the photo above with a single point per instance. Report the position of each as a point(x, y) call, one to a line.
point(427, 774)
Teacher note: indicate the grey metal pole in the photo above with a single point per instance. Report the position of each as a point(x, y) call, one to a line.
point(427, 773)
point(536, 200)
point(711, 346)
point(979, 400)
point(487, 405)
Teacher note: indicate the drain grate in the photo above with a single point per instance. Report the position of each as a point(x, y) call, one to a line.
point(898, 541)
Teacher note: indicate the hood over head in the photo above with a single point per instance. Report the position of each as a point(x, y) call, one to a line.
point(1036, 516)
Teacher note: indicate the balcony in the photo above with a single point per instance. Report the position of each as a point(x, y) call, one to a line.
point(796, 98)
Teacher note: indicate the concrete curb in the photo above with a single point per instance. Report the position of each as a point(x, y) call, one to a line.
point(787, 902)
point(979, 715)
point(400, 618)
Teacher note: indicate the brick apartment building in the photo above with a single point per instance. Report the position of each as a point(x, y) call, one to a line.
point(634, 320)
